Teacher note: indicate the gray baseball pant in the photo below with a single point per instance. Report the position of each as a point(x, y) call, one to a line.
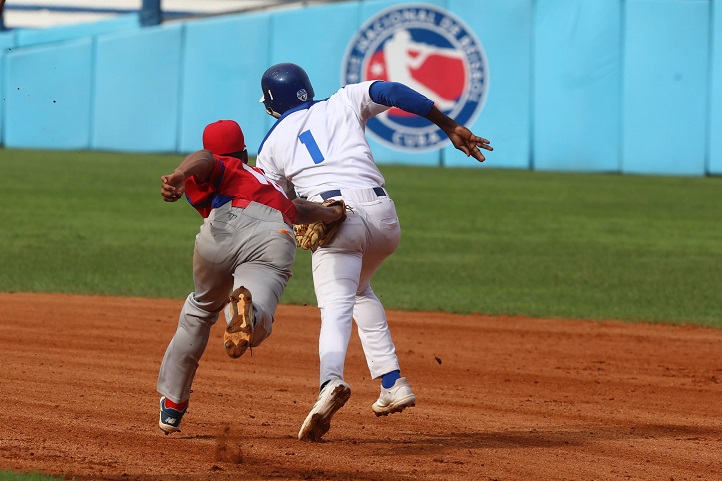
point(251, 247)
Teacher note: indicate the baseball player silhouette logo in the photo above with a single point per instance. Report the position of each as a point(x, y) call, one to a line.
point(431, 51)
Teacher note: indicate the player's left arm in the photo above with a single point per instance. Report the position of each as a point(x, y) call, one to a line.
point(462, 138)
point(395, 94)
point(398, 95)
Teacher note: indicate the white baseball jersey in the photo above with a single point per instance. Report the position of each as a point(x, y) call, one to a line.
point(330, 150)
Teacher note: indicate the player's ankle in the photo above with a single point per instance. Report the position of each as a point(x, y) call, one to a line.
point(174, 405)
point(389, 379)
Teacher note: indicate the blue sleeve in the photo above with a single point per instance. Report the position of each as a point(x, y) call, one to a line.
point(398, 95)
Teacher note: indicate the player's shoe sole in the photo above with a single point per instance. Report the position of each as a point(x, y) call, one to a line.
point(239, 316)
point(332, 398)
point(394, 399)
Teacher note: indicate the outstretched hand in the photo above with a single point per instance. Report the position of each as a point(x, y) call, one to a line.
point(470, 144)
point(462, 138)
point(173, 186)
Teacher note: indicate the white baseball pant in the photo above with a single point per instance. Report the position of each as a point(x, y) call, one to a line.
point(342, 273)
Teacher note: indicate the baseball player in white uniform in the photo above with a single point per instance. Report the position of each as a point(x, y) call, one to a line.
point(319, 150)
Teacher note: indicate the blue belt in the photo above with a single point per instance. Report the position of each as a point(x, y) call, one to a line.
point(337, 193)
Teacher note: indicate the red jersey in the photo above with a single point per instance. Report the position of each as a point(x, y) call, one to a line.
point(233, 181)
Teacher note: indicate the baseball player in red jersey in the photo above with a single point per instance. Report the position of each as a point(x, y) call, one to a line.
point(319, 148)
point(245, 247)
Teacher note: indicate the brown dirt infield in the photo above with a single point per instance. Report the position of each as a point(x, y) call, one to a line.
point(502, 398)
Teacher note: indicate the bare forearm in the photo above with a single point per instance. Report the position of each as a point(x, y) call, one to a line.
point(443, 121)
point(462, 138)
point(310, 212)
point(200, 164)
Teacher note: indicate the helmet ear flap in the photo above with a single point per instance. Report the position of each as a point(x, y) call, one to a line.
point(267, 104)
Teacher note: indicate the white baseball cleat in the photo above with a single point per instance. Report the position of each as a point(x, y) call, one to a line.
point(332, 398)
point(395, 399)
point(239, 317)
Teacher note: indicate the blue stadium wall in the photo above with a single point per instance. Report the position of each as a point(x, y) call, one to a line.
point(624, 86)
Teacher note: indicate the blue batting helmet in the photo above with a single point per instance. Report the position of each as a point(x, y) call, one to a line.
point(285, 85)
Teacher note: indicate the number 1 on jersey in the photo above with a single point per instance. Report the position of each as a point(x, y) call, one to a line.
point(307, 139)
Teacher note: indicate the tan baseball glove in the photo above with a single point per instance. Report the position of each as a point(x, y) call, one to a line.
point(313, 236)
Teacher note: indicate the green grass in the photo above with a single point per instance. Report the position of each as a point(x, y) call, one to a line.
point(7, 476)
point(559, 245)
